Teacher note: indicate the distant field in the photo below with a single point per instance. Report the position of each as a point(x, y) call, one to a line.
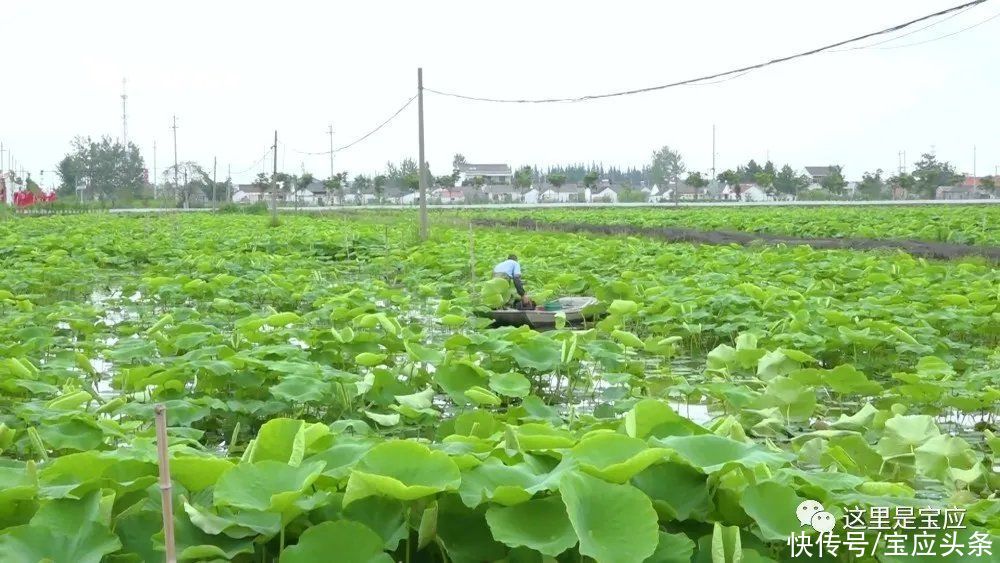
point(960, 224)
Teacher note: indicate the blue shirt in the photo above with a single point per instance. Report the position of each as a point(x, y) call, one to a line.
point(509, 267)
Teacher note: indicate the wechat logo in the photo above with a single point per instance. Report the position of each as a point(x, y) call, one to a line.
point(812, 513)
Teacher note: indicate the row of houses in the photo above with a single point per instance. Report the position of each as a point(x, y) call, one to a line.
point(494, 183)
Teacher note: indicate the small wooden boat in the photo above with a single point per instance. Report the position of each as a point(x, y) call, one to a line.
point(572, 307)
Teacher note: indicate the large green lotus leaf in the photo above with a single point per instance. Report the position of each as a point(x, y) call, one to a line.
point(402, 470)
point(858, 421)
point(511, 384)
point(384, 516)
point(280, 439)
point(62, 530)
point(678, 491)
point(615, 523)
point(341, 457)
point(540, 524)
point(303, 389)
point(88, 544)
point(772, 505)
point(239, 524)
point(75, 432)
point(350, 541)
point(465, 534)
point(503, 484)
point(540, 353)
point(903, 433)
point(847, 379)
point(534, 436)
point(672, 548)
point(266, 485)
point(195, 545)
point(615, 457)
point(457, 378)
point(711, 453)
point(136, 532)
point(939, 454)
point(773, 364)
point(16, 484)
point(420, 353)
point(650, 417)
point(420, 400)
point(197, 473)
point(794, 400)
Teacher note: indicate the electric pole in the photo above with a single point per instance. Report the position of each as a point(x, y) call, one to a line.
point(423, 163)
point(176, 184)
point(215, 162)
point(274, 184)
point(330, 132)
point(229, 183)
point(124, 116)
point(713, 152)
point(154, 169)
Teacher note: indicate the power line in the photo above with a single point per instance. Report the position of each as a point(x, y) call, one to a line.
point(363, 137)
point(902, 35)
point(940, 37)
point(254, 165)
point(690, 81)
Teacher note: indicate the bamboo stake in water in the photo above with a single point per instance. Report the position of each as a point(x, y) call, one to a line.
point(165, 487)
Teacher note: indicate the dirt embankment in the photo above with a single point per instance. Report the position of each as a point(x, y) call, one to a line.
point(678, 234)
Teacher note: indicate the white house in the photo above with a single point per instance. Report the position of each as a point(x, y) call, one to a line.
point(563, 194)
point(602, 194)
point(530, 196)
point(249, 193)
point(491, 174)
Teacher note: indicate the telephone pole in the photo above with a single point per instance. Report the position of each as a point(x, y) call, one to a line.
point(176, 184)
point(423, 163)
point(229, 183)
point(274, 184)
point(215, 162)
point(713, 153)
point(154, 169)
point(330, 132)
point(124, 116)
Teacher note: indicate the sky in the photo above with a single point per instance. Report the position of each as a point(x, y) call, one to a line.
point(233, 72)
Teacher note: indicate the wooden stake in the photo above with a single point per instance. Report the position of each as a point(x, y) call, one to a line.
point(165, 487)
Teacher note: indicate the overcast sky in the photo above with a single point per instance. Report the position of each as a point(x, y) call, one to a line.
point(234, 71)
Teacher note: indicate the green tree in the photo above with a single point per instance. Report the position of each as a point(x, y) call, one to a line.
point(557, 179)
point(336, 185)
point(304, 181)
point(667, 166)
point(696, 181)
point(109, 169)
point(903, 181)
point(834, 182)
point(930, 173)
point(360, 184)
point(786, 181)
point(523, 177)
point(764, 180)
point(378, 186)
point(748, 173)
point(872, 186)
point(456, 161)
point(590, 179)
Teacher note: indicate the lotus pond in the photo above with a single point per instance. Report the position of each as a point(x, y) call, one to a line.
point(958, 224)
point(331, 394)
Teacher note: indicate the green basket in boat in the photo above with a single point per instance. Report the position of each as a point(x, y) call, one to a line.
point(553, 306)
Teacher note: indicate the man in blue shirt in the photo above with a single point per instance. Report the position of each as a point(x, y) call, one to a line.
point(509, 269)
